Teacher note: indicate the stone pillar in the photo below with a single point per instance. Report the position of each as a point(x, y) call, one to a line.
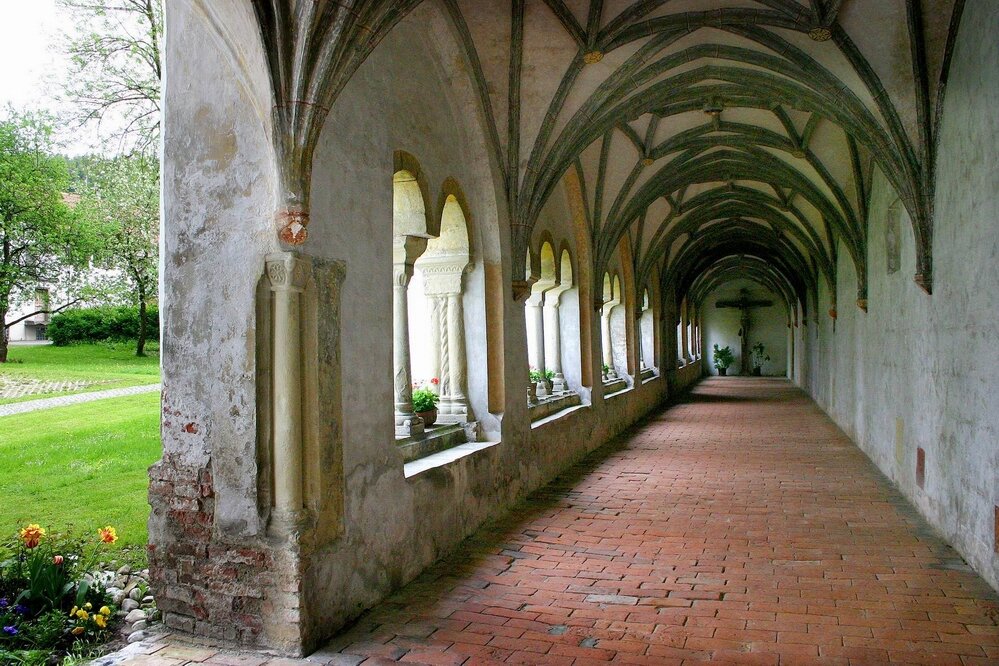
point(684, 332)
point(536, 330)
point(639, 334)
point(286, 273)
point(553, 353)
point(457, 395)
point(405, 251)
point(442, 279)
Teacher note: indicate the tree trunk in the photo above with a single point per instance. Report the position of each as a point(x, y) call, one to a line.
point(140, 345)
point(3, 336)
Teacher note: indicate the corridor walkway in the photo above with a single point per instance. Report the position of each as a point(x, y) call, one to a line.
point(740, 526)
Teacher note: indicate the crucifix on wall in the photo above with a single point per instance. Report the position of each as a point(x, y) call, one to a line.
point(745, 303)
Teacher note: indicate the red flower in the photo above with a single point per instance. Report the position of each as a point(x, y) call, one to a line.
point(57, 560)
point(435, 381)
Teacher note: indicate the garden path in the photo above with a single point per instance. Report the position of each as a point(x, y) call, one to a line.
point(62, 401)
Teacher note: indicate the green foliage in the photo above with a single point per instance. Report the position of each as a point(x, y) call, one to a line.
point(100, 324)
point(424, 400)
point(40, 235)
point(759, 355)
point(723, 357)
point(113, 80)
point(41, 577)
point(537, 376)
point(121, 202)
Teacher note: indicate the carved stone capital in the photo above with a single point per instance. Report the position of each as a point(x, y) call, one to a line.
point(442, 278)
point(287, 271)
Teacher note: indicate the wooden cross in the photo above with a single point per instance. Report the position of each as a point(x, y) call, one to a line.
point(744, 304)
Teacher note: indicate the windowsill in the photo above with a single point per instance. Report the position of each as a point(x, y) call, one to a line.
point(434, 440)
point(615, 386)
point(443, 458)
point(648, 375)
point(552, 406)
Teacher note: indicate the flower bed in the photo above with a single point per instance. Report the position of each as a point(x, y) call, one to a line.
point(51, 602)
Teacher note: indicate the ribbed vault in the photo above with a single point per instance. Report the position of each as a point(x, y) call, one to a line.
point(713, 137)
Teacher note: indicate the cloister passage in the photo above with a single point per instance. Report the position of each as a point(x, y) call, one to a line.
point(421, 256)
point(741, 525)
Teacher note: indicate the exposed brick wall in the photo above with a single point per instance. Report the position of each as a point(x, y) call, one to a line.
point(202, 585)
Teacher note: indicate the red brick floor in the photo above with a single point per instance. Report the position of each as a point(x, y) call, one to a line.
point(740, 526)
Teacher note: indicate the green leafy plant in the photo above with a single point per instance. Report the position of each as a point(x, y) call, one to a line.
point(723, 357)
point(41, 576)
point(537, 376)
point(424, 400)
point(605, 368)
point(759, 356)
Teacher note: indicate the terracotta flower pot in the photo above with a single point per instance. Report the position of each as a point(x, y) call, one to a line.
point(429, 417)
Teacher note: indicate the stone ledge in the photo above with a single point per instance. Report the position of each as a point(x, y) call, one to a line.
point(558, 416)
point(446, 457)
point(436, 439)
point(615, 387)
point(551, 405)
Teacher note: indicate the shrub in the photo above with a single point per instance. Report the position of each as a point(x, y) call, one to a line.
point(100, 324)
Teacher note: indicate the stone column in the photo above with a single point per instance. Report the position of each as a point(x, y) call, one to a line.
point(287, 272)
point(536, 330)
point(457, 397)
point(684, 336)
point(605, 335)
point(639, 343)
point(405, 251)
point(553, 352)
point(442, 280)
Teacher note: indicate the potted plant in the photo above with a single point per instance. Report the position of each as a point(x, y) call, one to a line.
point(425, 403)
point(723, 358)
point(545, 376)
point(759, 356)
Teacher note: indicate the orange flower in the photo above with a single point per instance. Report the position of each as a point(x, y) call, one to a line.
point(32, 535)
point(78, 630)
point(108, 534)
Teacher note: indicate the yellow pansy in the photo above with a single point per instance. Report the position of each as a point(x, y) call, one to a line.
point(100, 621)
point(82, 614)
point(105, 611)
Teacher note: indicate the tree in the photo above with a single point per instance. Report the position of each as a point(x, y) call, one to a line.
point(38, 234)
point(116, 69)
point(121, 203)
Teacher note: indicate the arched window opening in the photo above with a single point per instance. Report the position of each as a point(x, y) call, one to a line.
point(437, 318)
point(538, 338)
point(548, 333)
point(618, 324)
point(409, 240)
point(646, 338)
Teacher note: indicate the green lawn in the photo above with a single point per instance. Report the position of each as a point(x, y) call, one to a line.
point(75, 469)
point(112, 365)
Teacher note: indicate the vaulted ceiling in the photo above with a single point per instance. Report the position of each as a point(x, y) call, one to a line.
point(715, 137)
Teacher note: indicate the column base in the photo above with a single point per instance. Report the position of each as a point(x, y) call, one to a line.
point(408, 425)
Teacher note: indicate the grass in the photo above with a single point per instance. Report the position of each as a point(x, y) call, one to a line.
point(77, 468)
point(112, 365)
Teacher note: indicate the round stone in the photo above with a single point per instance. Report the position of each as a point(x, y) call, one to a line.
point(135, 616)
point(136, 636)
point(129, 605)
point(148, 599)
point(124, 571)
point(135, 594)
point(141, 625)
